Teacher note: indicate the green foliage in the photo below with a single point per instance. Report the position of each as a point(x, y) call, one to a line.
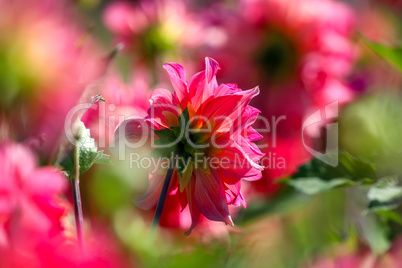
point(87, 153)
point(184, 118)
point(393, 55)
point(384, 195)
point(172, 141)
point(317, 176)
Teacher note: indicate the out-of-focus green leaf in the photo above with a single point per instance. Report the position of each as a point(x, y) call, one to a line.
point(370, 129)
point(384, 195)
point(389, 215)
point(184, 118)
point(316, 185)
point(317, 176)
point(392, 55)
point(385, 190)
point(376, 234)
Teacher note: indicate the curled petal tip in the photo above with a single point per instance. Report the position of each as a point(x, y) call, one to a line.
point(211, 68)
point(256, 91)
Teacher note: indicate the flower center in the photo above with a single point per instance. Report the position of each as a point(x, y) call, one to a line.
point(278, 57)
point(183, 140)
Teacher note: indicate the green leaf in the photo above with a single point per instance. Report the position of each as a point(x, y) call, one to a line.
point(393, 55)
point(102, 158)
point(385, 190)
point(88, 154)
point(388, 215)
point(317, 185)
point(384, 195)
point(165, 134)
point(184, 118)
point(164, 152)
point(317, 176)
point(376, 233)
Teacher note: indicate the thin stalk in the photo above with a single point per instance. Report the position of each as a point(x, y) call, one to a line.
point(75, 184)
point(162, 197)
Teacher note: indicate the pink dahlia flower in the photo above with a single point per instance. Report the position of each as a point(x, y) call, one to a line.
point(301, 54)
point(45, 66)
point(152, 29)
point(208, 126)
point(101, 251)
point(30, 203)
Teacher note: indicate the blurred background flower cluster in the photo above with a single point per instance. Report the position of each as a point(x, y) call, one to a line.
point(303, 54)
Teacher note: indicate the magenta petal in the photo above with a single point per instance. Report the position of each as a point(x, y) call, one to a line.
point(225, 89)
point(194, 211)
point(211, 68)
point(163, 96)
point(240, 159)
point(197, 89)
point(221, 106)
point(178, 79)
point(210, 197)
point(47, 182)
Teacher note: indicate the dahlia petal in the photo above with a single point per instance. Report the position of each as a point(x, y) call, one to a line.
point(248, 117)
point(226, 89)
point(194, 211)
point(47, 181)
point(178, 78)
point(231, 119)
point(197, 89)
point(239, 200)
point(251, 134)
point(232, 192)
point(149, 199)
point(239, 164)
point(221, 106)
point(173, 186)
point(163, 96)
point(183, 200)
point(209, 196)
point(31, 216)
point(164, 114)
point(248, 95)
point(211, 68)
point(187, 174)
point(249, 153)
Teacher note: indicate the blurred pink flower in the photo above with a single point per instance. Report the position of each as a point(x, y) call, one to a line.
point(150, 29)
point(365, 259)
point(100, 252)
point(223, 119)
point(46, 63)
point(300, 53)
point(30, 197)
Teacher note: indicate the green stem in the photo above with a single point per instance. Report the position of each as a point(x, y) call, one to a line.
point(162, 197)
point(75, 184)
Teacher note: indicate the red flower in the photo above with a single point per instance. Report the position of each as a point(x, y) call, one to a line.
point(209, 127)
